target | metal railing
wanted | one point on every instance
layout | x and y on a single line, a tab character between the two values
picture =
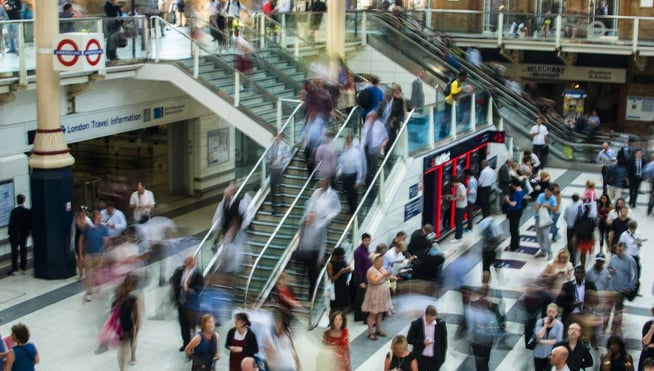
284	260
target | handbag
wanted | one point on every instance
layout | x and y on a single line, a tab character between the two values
330	291
544	218
531	344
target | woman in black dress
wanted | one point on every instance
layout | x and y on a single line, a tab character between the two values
400	357
338	272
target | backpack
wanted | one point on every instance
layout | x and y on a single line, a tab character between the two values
448	88
584	227
364	98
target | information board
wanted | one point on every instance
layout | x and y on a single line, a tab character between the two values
6	201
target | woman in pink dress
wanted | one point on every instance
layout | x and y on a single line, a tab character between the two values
336	340
377	300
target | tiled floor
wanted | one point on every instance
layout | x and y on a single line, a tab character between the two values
65	328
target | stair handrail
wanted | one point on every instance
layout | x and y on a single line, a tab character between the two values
241	188
585	147
284	259
355	216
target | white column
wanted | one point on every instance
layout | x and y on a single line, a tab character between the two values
336	28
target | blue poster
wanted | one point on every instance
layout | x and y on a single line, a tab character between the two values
412	208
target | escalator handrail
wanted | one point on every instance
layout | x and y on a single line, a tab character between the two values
283	261
554	138
348	226
250	175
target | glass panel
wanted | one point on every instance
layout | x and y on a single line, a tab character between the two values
646	32
353	26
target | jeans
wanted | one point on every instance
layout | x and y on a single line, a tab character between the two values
554	228
543	238
458	222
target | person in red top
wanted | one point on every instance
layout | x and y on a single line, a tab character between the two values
336	344
268	7
283	294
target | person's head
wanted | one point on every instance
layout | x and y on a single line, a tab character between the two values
456	180
463	75
189	262
20	199
110	206
574	331
371	116
20	333
348	139
539	120
580	274
140	188
563	256
421	74
619	202
249	364
68	7
549	192
283	279
604	199
615	343
544	175
605	145
365	239
427	229
207	323
515	183
467	173
556	189
241	320
374	80
632	225
97	217
338	254
381	248
399	344
388	94
575	197
600	259
590	184
559	356
552	310
337	320
324	183
623	212
619	250
648	364
638	154
483	164
400	236
430	313
282	320
377	260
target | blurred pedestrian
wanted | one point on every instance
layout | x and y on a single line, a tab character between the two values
186	284
400	357
323	206
130	319
281	354
352	167
80	222
336	345
374	139
95	239
23	355
491	238
570	215
482	325
418	91
277	158
623	271
203	347
240	341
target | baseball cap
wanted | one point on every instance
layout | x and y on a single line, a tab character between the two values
600	257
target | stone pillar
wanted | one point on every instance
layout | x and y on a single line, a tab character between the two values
336	28
51	179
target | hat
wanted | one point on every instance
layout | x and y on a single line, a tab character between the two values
600	257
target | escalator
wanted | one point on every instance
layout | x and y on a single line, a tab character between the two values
414	48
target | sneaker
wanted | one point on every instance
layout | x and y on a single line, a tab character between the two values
467	230
88	297
101	349
455	241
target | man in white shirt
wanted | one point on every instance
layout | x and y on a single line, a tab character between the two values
352	164
487	179
460	199
374	136
633	243
142	201
539	135
113	219
276	159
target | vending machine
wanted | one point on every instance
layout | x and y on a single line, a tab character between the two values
439	170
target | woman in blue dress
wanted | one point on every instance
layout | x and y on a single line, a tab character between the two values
23	356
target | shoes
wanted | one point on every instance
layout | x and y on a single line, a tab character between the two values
381	333
467	230
11	51
539	254
455	241
101	349
88	297
132	362
181	349
372	337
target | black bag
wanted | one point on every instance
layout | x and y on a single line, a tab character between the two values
584	227
448	88
364	98
531	344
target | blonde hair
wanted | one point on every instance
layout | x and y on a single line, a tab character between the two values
399	341
590	184
563	251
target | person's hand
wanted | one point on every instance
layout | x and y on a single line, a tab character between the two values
362	285
428	341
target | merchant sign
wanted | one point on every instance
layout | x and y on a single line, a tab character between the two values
566	73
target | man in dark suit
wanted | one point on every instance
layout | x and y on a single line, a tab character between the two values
428	335
635	168
186	284
20	226
576	297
